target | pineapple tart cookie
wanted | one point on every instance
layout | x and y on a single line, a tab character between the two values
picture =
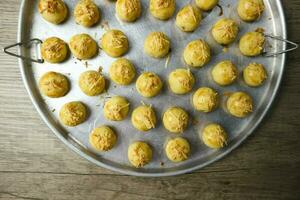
175	119
224	73
177	149
53	11
54	85
139	154
181	81
73	113
92	83
116	108
115	43
197	53
162	9
188	18
54	50
157	45
224	31
86	13
103	138
250	10
83	46
214	136
148	84
122	71
206	5
252	44
128	10
143	118
239	104
205	100
254	74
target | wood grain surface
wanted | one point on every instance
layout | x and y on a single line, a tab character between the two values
34	164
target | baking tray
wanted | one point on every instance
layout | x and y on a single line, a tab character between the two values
31	25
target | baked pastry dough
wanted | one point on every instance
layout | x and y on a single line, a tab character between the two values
239	104
175	119
214	136
54	50
92	83
252	44
178	149
197	53
250	10
83	46
188	18
128	10
224	73
122	71
181	81
54	85
73	113
143	118
162	9
86	13
254	74
225	31
116	108
139	154
53	11
103	138
157	45
205	99
206	5
114	43
148	84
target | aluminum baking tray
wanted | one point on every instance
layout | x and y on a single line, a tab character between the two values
31	25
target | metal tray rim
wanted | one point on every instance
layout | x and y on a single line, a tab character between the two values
142	174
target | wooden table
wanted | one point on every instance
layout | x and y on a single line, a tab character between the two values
34	164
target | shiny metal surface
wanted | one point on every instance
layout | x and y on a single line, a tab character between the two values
31	25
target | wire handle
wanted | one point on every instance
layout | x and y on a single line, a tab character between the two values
293	47
24	43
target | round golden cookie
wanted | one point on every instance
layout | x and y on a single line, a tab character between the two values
188	18
91	83
114	43
148	84
162	9
73	113
239	104
224	73
175	119
143	118
86	13
54	50
252	44
177	149
103	138
139	154
197	53
254	74
205	99
224	31
250	10
157	45
54	85
83	46
116	108
128	10
181	81
122	71
53	11
206	5
214	136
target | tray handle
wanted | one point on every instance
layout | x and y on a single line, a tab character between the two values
24	43
293	46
